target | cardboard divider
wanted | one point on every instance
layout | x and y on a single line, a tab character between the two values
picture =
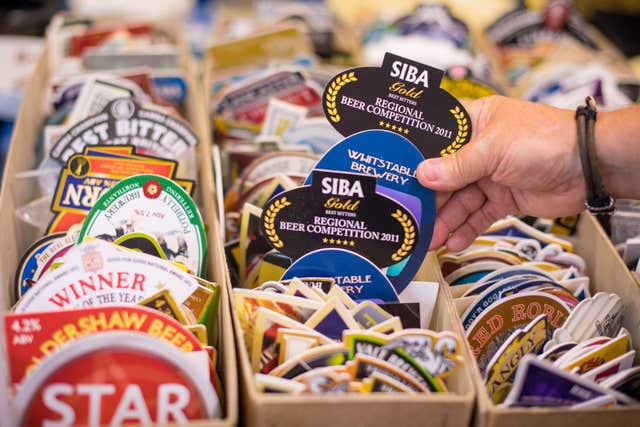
217	265
17	236
453	408
607	273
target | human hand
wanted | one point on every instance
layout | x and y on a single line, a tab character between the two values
523	158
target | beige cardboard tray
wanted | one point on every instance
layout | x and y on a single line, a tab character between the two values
16	236
608	274
444	409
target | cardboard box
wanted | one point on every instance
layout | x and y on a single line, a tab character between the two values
444	409
17	236
608	274
258	409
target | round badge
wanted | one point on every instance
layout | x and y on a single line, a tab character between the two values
156	206
24	278
355	274
315	133
393	160
256	193
272	164
494	326
47	331
97	273
54	252
79	166
116	378
118	123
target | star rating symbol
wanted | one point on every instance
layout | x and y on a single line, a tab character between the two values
332	241
325	240
391	126
352	243
339	242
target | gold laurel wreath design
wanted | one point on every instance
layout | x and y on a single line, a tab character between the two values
409	229
463	131
332	94
270	220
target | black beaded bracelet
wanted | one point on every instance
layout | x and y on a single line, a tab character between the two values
599	201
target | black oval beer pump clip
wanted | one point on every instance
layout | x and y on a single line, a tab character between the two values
401	96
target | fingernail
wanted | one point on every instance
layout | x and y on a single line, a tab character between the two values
429	170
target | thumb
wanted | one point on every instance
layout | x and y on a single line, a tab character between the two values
456	171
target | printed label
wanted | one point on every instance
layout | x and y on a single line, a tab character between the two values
402	96
123	122
340	210
32	336
156	206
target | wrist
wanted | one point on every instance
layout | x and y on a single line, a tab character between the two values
617	160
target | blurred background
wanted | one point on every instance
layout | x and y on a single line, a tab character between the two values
549	51
23	24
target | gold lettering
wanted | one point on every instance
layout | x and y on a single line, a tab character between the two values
411	92
337	203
